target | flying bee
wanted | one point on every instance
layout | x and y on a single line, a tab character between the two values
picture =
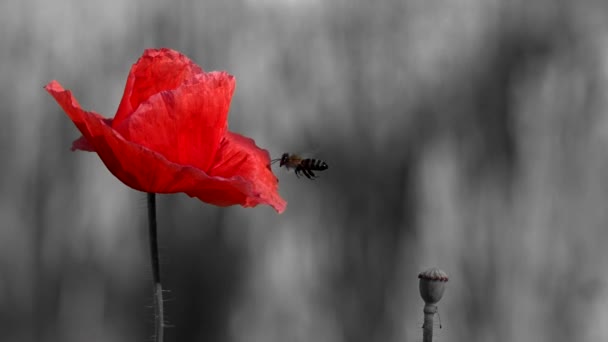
303	165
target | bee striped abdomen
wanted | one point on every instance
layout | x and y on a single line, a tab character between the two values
307	166
314	164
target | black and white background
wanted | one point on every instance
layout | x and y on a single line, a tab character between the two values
471	135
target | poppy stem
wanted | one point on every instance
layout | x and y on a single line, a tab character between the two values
427	328
159	322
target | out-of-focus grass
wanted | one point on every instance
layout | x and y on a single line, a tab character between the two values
467	135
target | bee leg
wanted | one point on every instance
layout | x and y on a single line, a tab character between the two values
312	174
297	172
307	173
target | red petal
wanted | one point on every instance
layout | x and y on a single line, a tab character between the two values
155	71
146	170
184	125
240	158
82	143
68	103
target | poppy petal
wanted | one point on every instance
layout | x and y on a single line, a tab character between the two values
186	124
143	169
71	107
155	71
82	144
240	157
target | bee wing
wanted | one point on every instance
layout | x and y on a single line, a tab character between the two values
306	154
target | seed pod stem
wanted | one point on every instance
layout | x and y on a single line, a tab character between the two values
427	328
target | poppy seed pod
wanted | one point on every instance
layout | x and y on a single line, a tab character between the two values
432	285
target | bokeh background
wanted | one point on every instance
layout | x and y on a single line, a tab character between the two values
471	135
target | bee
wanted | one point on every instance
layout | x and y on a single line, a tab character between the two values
303	165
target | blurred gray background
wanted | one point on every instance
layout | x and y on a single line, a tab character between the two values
471	135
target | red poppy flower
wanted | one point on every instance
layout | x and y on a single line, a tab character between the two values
170	134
